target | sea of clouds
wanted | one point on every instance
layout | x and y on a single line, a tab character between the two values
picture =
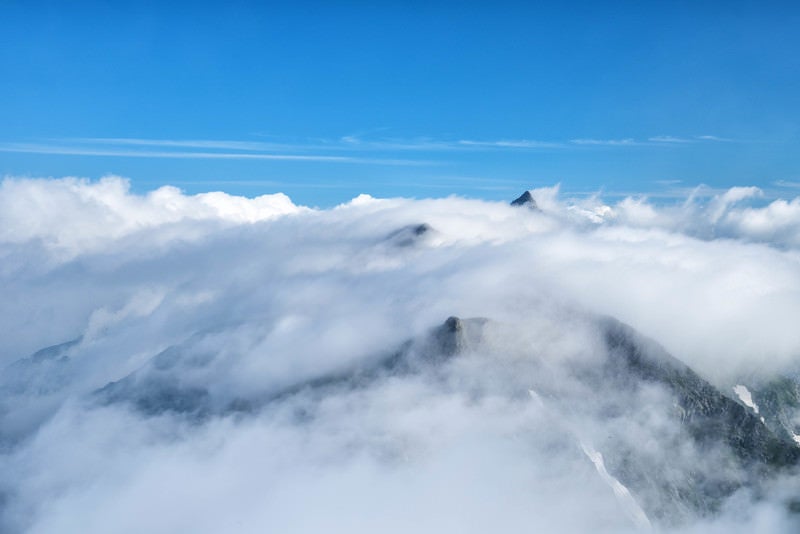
248	298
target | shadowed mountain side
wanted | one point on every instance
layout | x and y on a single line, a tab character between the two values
736	449
39	373
706	412
410	235
633	360
36	383
730	447
157	388
778	402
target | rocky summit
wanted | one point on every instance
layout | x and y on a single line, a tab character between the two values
594	403
525	199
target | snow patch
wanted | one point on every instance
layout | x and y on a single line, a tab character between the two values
623	494
745	396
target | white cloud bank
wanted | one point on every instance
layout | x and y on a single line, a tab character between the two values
74	215
243	298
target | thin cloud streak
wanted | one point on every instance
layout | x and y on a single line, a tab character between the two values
787	184
714	138
670	139
344	143
80	151
684	140
605	142
351	149
519	143
656	140
183	143
425	144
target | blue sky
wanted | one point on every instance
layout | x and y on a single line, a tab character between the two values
325	101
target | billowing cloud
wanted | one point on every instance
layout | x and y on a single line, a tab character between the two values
218	363
73	215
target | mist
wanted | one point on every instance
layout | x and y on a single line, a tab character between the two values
213	363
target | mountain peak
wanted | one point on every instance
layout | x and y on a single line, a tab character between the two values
525	199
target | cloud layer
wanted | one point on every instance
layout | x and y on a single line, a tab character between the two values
239	299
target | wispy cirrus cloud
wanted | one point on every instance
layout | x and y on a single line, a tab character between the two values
788	184
88	150
713	138
349	149
511	143
670	139
650	141
628	141
347	142
429	144
423	144
180	143
683	140
432	144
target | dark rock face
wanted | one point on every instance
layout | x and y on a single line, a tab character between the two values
157	395
410	235
525	199
778	401
165	385
721	430
158	387
706	412
54	352
41	373
420	229
731	447
34	381
456	336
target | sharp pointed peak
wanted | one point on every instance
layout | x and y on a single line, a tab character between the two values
525	199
